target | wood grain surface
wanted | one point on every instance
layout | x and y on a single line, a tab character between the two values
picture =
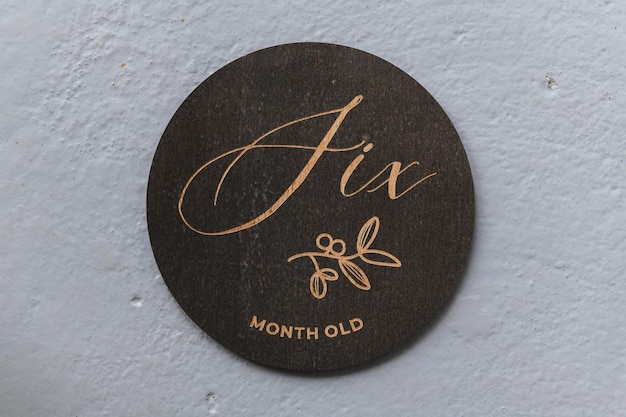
310	206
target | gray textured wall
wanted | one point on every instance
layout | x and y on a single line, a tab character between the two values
537	92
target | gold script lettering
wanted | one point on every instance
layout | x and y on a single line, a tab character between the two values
318	151
395	169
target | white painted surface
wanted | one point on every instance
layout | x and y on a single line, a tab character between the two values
87	326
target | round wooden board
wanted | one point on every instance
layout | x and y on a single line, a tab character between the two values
310	206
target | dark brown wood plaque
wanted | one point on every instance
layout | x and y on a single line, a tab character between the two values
310	207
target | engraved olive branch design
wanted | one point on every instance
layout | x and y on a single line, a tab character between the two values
336	248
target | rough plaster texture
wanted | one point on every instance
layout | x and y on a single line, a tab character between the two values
537	92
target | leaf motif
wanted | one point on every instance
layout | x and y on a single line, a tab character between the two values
329	274
389	259
367	234
355	274
318	285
